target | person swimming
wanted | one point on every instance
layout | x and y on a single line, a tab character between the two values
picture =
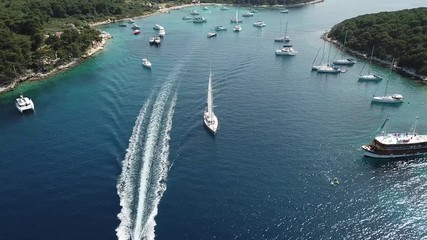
334	181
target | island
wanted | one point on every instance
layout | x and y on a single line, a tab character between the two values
399	35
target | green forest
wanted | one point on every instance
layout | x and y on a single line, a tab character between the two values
401	35
28	27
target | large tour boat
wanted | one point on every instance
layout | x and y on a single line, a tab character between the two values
396	144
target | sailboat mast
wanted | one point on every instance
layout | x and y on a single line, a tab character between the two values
209	100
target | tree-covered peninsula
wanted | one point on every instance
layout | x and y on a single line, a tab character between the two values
401	35
40	35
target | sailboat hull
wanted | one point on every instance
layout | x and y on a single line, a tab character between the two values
211	122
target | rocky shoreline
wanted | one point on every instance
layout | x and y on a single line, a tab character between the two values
404	71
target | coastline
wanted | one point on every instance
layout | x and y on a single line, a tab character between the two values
403	71
98	46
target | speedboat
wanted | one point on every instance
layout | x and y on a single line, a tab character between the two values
284	11
151	40
259	24
157	27
211	34
146	63
237	28
136	32
187	18
157	41
24	103
162	32
286	51
388	145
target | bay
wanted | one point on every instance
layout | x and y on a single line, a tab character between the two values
284	131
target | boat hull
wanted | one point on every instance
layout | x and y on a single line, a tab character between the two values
392	154
370	77
211	124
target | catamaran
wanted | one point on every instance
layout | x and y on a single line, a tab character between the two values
24	103
285	38
209	117
369	76
396	144
236	20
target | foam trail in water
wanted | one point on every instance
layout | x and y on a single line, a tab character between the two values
125	185
163	172
149	151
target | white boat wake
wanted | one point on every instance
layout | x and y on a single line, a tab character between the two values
145	167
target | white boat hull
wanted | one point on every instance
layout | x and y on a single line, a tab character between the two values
24	104
370	77
395	98
211	122
371	154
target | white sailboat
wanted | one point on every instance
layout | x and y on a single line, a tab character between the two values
347	61
237	28
285	38
391	98
209	117
369	76
236	20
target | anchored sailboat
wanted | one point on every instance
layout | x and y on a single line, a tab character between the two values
209	117
347	61
237	28
393	98
369	76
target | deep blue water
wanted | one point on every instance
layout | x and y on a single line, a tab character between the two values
110	137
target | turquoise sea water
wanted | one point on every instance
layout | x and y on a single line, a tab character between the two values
114	150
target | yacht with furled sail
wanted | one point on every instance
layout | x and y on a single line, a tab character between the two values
389	145
285	38
24	103
209	117
388	98
369	76
199	19
236	20
345	61
237	28
248	14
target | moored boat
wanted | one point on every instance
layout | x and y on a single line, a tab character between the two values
396	144
194	12
247	14
286	51
369	76
136	32
347	61
237	28
24	103
135	27
199	19
146	63
259	24
157	27
162	32
212	34
187	18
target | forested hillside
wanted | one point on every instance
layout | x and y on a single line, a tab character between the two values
38	35
401	35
